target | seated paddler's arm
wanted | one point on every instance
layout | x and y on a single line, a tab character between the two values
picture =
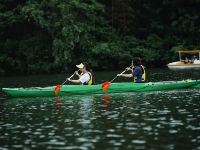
74	81
125	75
76	73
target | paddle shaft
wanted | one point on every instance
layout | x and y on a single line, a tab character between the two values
117	76
120	74
67	79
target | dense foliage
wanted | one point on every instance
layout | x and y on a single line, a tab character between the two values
43	36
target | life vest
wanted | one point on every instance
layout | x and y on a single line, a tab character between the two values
90	82
139	77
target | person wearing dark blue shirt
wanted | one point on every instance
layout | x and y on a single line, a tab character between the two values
138	72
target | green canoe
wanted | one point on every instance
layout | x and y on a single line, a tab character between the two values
96	89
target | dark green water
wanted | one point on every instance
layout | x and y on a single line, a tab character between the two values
156	120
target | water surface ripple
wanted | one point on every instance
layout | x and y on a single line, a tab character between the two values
157	120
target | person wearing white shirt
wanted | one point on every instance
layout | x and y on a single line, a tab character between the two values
85	78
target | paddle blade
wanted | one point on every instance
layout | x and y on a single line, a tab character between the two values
105	86
57	89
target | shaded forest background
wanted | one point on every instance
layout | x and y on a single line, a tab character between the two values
51	36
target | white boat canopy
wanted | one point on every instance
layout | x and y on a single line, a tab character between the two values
188	52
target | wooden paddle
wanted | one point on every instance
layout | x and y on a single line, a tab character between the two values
58	87
106	84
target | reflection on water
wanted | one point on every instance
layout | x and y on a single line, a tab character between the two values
157	120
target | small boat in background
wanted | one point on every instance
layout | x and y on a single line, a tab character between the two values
188	63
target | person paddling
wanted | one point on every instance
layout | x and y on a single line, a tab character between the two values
86	77
138	72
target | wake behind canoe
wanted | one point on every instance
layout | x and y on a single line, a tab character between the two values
97	89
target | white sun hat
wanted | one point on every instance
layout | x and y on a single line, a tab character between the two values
80	66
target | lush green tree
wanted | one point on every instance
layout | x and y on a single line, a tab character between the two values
43	36
75	27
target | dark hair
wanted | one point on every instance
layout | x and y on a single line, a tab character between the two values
87	67
136	61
